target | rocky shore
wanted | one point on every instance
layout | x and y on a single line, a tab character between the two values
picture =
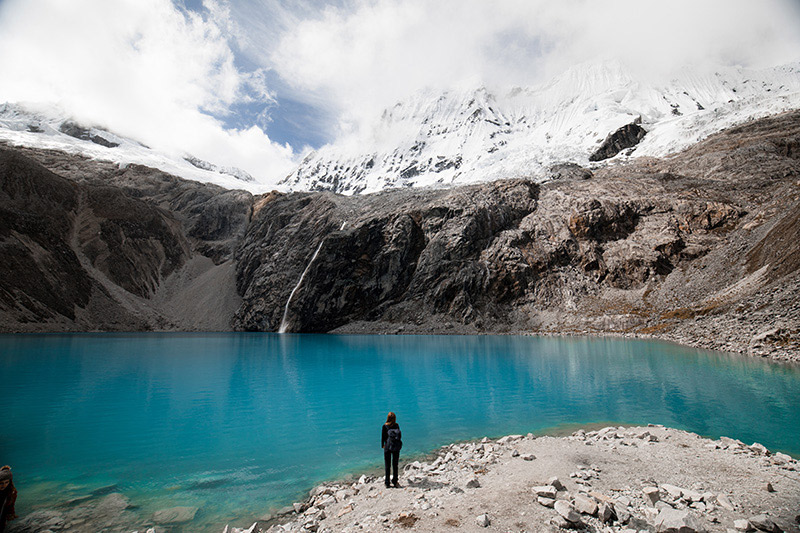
616	479
609	480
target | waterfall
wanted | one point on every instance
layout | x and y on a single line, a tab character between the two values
284	324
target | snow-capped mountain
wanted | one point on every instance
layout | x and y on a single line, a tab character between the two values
476	135
50	128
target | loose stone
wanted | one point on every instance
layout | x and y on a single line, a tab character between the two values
585	505
764	523
483	520
651	493
547	502
606	513
546	491
568	511
676	521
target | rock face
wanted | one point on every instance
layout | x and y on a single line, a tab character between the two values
393	254
627	136
95	250
700	248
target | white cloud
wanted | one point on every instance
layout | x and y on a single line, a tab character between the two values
367	57
143	69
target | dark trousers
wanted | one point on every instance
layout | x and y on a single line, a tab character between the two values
391	458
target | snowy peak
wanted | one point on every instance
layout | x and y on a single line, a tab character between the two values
50	128
441	139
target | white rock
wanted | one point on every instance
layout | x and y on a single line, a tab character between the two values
674	492
568	511
652	495
585	505
723	500
483	520
759	449
675	521
515	453
547	502
546	491
742	525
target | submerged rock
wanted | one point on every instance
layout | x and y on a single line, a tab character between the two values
175	515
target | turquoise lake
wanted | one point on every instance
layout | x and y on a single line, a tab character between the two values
242	424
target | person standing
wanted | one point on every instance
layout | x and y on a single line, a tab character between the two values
391	443
8	497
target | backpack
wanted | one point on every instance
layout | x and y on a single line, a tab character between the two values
393	442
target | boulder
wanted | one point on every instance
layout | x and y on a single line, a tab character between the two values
606	513
742	525
175	515
674	492
473	483
567	511
763	522
585	504
528	457
759	449
483	520
675	521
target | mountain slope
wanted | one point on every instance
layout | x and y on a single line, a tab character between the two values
700	247
476	135
53	130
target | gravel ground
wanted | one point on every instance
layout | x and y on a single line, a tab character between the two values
614	479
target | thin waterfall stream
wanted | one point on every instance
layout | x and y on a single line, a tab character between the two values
284	323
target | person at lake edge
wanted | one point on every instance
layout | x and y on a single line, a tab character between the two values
8	497
391	443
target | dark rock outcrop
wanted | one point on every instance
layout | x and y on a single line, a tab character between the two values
399	249
627	136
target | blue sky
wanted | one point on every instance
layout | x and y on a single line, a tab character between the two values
257	83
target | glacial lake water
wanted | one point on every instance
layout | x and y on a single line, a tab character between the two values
242	424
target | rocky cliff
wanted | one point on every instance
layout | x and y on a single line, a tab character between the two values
700	247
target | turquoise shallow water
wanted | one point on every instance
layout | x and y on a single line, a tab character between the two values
241	424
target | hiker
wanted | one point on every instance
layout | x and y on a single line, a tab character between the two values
8	496
391	444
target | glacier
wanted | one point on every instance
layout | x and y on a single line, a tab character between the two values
474	135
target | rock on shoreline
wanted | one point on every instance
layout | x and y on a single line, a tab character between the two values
617	479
